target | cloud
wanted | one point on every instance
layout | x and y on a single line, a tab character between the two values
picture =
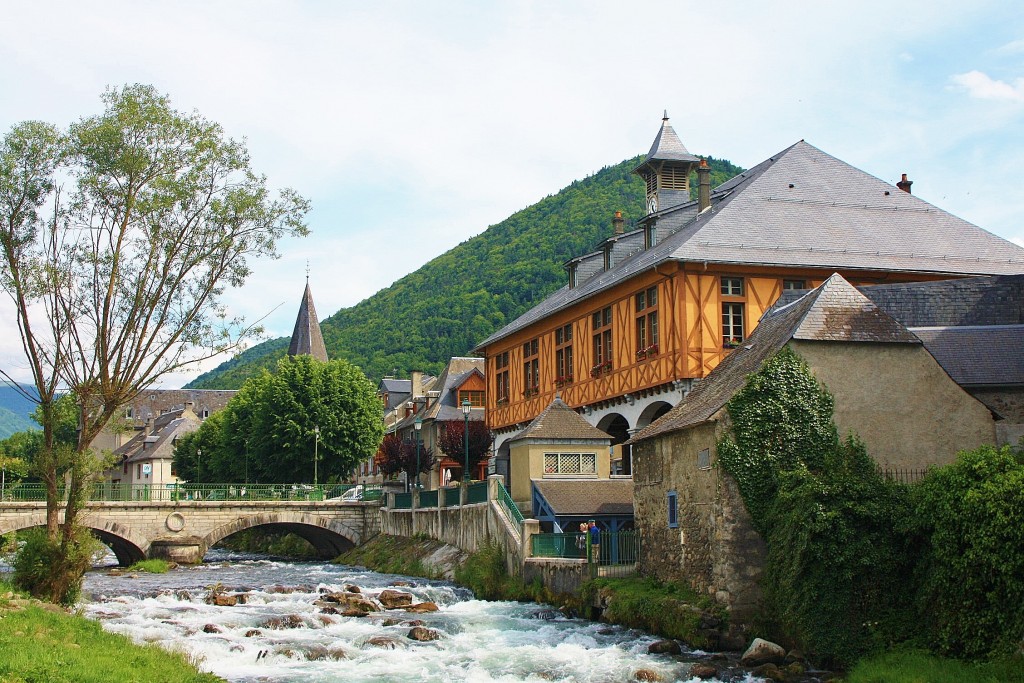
981	86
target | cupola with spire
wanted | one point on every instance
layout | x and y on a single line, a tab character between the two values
307	340
666	170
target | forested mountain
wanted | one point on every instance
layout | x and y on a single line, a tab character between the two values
459	298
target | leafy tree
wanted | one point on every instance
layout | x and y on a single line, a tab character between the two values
450	440
397	455
118	280
268	429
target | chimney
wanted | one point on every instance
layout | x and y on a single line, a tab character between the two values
704	186
416	387
148	429
189	410
905	184
618	223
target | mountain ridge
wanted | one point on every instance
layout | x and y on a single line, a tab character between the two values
458	298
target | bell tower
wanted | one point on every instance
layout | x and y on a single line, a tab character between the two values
666	170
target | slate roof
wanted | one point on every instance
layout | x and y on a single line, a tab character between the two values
395	386
446	406
667	146
997	300
560	422
978	355
307	339
587	496
835	311
160	442
804	208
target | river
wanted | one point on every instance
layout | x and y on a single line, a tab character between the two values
279	634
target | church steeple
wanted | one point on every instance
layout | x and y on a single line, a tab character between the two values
307	340
666	170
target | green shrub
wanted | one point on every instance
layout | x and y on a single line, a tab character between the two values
915	666
151	566
51	572
970	516
837	576
668	609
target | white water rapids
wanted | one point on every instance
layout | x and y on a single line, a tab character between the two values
479	641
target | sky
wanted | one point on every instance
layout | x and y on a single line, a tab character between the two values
412	126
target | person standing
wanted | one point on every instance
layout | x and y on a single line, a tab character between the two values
595	541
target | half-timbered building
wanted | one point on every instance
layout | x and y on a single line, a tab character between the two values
657	307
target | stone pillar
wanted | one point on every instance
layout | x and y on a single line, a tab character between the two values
415	508
530	527
180	550
492	486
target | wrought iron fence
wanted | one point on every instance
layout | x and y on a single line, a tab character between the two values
428	499
450	496
403	501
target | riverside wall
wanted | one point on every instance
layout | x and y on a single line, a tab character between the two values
471	527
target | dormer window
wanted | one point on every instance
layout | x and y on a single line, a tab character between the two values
475	398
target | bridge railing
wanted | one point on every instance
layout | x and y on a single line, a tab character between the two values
117	492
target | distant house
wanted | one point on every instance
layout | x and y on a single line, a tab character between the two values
461	380
657	305
887	389
154	403
147	458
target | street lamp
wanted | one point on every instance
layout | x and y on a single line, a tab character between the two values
199	465
316	448
466	407
418	425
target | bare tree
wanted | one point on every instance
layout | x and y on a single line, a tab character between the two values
118	281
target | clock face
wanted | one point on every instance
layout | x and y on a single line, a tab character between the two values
652	204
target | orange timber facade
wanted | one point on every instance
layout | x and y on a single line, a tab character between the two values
653	309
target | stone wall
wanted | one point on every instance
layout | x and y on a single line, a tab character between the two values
714	549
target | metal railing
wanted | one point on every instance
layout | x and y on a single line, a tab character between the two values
507	504
116	492
903	475
403	501
615	556
428	499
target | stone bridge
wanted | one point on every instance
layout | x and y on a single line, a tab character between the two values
182	531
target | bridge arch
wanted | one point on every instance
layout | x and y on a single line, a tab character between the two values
127	545
329	537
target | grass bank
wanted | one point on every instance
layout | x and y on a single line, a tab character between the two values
913	666
41	643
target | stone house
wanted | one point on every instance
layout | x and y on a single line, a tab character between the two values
887	389
974	327
146	460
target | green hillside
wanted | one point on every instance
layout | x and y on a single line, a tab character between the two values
459	298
